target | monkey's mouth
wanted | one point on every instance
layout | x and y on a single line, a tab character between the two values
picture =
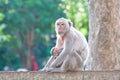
60	32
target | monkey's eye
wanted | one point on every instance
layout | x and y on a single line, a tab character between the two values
63	24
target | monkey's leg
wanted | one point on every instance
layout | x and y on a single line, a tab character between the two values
69	64
79	60
73	62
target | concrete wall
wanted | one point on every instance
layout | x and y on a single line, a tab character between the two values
87	75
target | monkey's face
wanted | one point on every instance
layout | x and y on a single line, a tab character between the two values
61	26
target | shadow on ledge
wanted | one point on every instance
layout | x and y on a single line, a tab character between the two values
84	75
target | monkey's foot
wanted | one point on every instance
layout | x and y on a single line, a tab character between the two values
55	70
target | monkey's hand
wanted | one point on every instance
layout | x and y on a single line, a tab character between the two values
42	70
55	52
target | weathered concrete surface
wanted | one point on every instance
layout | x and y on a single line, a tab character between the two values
87	75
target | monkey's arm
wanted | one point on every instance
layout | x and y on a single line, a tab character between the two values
68	47
48	63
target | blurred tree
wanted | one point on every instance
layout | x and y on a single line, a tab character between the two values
26	29
104	35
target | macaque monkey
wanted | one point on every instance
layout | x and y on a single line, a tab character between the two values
71	51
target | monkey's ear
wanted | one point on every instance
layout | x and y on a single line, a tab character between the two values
70	23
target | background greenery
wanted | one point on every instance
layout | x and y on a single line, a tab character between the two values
27	28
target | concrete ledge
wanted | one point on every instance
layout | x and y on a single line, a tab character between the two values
86	75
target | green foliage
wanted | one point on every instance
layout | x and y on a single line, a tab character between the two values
2	16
